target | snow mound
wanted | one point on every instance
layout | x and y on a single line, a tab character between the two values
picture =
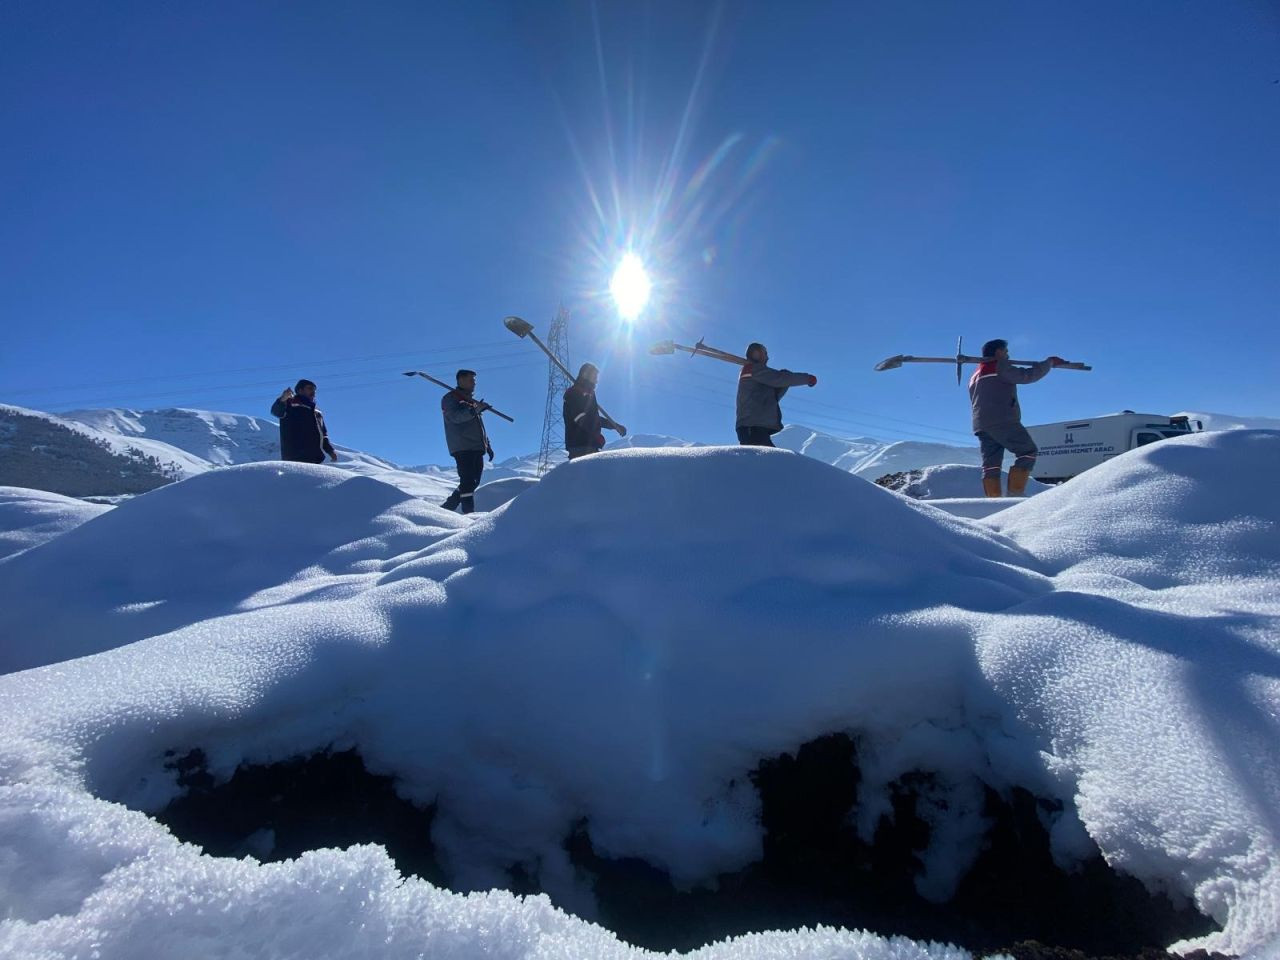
32	517
490	496
1156	663
1183	511
198	549
620	645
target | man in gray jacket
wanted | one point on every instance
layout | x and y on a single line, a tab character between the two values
760	387
465	434
997	417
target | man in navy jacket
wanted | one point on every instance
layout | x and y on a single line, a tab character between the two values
303	435
583	420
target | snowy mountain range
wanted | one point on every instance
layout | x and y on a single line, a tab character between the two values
115	452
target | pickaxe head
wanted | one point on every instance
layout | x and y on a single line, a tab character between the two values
411	373
521	328
663	347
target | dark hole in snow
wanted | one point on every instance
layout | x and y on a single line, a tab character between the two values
280	810
814	870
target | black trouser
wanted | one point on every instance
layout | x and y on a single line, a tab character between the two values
755	436
470	468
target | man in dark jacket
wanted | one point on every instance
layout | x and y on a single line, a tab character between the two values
997	417
303	435
760	387
468	442
583	421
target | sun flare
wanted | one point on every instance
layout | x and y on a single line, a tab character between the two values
630	287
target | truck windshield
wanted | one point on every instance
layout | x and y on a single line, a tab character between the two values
1145	438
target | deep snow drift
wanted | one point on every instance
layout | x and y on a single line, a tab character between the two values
29	518
622	643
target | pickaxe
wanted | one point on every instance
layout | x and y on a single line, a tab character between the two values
961	358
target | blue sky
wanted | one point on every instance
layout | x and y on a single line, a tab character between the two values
204	202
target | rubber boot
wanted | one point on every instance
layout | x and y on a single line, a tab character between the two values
991	486
1018	477
468	504
452	503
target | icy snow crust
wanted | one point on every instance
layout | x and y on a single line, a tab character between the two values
623	642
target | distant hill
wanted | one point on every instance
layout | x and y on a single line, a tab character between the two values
218	439
109	453
42	452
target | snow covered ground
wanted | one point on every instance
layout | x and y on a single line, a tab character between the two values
622	643
948	481
29	518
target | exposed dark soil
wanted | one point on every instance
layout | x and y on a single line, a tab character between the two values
324	800
815	869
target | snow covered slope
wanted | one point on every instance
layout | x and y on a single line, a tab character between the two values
1230	421
216	438
837	451
213	439
29	518
871	458
951	481
914	455
1112	644
44	452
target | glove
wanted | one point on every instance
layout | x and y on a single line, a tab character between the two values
489	450
481	406
813	381
622	431
1056	361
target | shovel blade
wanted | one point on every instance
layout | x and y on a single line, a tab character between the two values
890	363
521	328
663	347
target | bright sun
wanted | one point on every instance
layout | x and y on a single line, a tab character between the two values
630	287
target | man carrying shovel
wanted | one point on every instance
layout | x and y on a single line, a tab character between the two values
997	417
468	443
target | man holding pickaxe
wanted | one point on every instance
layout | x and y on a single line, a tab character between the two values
760	387
468	443
997	417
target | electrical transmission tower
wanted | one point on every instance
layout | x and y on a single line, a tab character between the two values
557	384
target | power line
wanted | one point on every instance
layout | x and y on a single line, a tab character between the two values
176	391
381	382
488	344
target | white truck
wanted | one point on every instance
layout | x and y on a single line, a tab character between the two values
1073	446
